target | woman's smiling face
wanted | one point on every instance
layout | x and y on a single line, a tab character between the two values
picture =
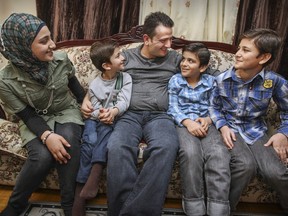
43	46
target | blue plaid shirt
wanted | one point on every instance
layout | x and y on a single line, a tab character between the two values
188	102
242	105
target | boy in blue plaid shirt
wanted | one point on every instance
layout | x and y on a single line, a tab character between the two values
239	105
204	159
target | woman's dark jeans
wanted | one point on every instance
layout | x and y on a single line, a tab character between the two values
37	166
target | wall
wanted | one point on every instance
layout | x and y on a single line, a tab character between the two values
10	6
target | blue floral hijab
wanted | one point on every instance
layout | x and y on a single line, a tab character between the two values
17	35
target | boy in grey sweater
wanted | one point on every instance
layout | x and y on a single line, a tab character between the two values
110	95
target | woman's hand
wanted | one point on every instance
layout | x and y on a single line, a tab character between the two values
56	145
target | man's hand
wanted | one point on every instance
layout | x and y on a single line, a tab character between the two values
280	143
228	136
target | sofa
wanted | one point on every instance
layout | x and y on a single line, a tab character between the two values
12	156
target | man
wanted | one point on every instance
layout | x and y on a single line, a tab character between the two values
131	193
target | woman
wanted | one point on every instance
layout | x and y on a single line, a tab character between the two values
36	85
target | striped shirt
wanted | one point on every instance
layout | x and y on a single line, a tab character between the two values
188	102
242	106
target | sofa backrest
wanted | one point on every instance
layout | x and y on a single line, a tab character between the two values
222	58
222	55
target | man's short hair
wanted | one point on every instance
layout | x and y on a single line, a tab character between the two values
155	19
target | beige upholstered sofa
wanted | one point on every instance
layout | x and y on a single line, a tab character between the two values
12	156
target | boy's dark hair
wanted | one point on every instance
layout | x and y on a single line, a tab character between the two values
200	50
155	19
266	41
101	52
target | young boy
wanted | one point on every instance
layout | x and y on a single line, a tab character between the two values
202	155
110	95
239	105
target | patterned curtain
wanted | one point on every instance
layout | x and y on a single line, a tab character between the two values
208	20
87	19
266	14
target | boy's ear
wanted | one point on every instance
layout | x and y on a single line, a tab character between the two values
203	68
264	58
106	66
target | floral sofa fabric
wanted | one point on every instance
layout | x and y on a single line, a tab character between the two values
12	156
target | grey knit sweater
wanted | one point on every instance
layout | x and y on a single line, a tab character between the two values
100	89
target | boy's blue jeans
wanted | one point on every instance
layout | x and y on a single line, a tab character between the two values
94	147
205	171
131	192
